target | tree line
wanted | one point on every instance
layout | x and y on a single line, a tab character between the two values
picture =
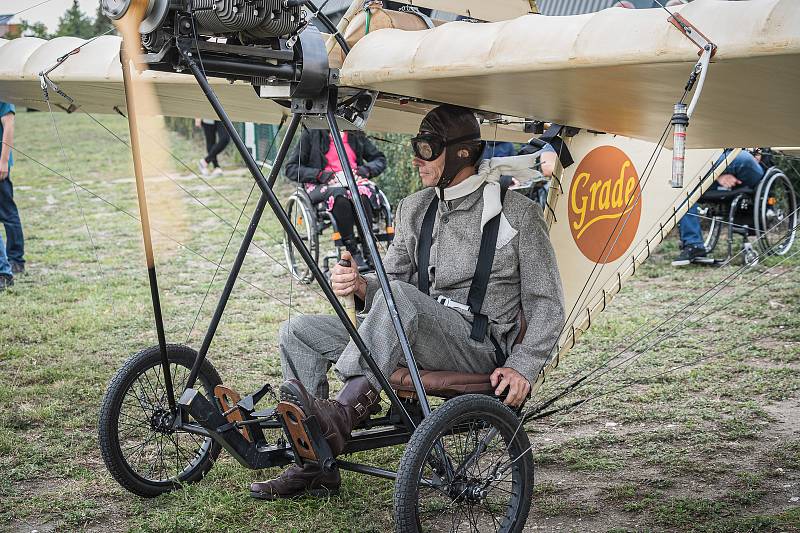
73	22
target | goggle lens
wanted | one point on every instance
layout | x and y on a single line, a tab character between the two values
427	147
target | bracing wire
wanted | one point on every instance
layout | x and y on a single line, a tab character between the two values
225	198
43	2
156	229
710	293
534	414
230	238
65	56
583	294
74	187
575	405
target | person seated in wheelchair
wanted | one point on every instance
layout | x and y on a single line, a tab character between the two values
743	171
315	164
459	201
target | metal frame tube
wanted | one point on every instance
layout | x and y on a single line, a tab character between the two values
144	216
291	232
383	279
242	253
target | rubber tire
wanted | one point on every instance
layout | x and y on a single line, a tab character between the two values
109	418
293	257
711	234
422	440
761	224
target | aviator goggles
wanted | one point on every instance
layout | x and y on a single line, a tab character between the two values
429	146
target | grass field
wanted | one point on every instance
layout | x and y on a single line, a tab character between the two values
704	435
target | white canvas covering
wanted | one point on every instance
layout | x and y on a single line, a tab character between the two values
618	70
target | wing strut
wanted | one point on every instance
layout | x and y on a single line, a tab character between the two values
682	112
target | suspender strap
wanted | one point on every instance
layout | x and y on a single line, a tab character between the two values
424	246
480	280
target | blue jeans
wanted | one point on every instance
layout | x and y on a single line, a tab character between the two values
5	266
746	169
9	216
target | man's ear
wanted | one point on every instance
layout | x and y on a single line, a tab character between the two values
463	153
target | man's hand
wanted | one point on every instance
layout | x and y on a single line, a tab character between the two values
3	169
729	181
346	280
508	378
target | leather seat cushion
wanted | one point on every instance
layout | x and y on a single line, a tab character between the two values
442	382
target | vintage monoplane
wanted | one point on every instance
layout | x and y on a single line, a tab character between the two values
618	93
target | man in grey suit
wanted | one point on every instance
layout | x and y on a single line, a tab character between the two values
460	198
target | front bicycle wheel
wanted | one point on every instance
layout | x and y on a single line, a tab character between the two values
140	448
467	467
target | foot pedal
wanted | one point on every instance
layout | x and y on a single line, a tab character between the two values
228	398
305	435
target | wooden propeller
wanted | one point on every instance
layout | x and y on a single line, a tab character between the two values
149	143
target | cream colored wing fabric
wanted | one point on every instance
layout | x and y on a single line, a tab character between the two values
612	213
490	10
618	70
93	77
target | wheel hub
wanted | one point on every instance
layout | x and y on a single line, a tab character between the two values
161	422
473	491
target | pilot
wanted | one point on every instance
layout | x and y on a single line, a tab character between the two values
743	171
314	163
459	200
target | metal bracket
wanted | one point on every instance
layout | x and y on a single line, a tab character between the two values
694	35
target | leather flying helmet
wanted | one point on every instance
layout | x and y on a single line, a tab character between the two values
453	130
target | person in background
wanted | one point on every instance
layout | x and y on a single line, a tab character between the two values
217	139
12	254
498	149
743	171
315	164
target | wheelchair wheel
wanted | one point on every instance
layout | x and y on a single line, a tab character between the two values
775	213
467	467
140	449
303	217
710	226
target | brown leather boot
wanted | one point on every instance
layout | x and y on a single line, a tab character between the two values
338	417
308	480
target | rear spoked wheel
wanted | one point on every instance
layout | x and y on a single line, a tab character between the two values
467	467
138	444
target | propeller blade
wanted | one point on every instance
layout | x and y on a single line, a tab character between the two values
160	201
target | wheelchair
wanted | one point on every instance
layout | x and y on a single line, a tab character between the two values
312	220
768	213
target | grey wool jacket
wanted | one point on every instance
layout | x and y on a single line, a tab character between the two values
524	274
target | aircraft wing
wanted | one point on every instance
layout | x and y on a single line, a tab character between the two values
617	70
93	79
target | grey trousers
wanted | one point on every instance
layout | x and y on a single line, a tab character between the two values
439	337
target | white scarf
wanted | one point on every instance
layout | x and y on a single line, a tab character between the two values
521	167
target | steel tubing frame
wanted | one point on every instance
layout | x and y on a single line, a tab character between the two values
268	197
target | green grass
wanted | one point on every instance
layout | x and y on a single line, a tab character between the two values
712	445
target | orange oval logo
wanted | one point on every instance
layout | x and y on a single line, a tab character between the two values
604	204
